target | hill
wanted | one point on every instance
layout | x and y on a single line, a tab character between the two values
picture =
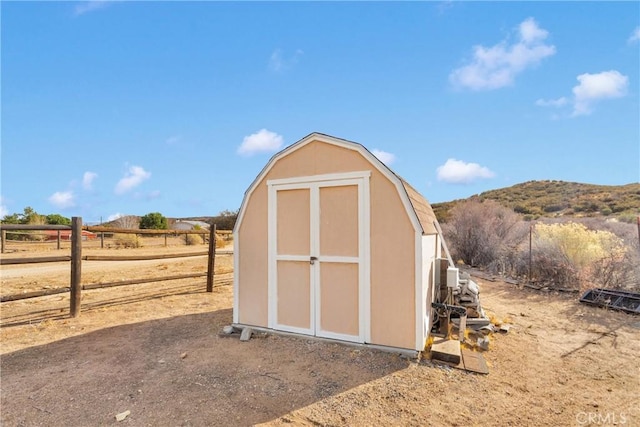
535	199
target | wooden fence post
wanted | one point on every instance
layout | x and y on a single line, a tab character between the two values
212	258
3	240
76	265
530	250
639	229
58	239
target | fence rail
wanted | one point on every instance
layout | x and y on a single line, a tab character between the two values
27	229
76	259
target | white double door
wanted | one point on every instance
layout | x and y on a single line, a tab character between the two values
318	252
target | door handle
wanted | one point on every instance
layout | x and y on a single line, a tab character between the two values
312	260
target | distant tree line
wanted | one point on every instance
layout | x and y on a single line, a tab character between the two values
30	216
225	220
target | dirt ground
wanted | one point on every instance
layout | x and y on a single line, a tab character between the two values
155	351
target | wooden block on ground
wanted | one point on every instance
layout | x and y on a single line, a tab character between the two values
446	350
474	361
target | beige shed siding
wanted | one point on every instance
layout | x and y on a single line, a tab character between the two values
252	268
392	267
294	294
294	216
339	296
339	221
392	245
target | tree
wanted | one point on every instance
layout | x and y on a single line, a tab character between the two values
30	216
225	220
154	221
11	219
57	219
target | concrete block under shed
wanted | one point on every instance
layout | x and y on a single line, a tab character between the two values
246	334
446	350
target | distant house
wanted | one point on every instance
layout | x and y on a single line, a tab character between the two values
66	235
189	225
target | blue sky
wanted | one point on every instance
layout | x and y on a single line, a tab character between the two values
114	108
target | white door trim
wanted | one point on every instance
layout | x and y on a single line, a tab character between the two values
314	183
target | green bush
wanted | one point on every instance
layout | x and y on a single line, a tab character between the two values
154	221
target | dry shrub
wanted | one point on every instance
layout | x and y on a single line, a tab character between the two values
581	246
221	240
617	272
127	241
550	266
194	239
570	255
479	233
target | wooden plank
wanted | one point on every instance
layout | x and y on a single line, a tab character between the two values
473	361
33	294
138	281
34	260
446	350
141	257
101	229
6	298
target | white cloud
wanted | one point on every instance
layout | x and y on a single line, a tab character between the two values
552	102
90	6
595	87
87	180
62	199
497	66
459	172
635	36
3	208
262	141
278	62
384	157
132	178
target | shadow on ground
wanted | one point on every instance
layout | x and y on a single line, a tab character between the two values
179	372
57	306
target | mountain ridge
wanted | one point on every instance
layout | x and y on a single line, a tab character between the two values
552	198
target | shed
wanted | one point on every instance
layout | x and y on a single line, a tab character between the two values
330	242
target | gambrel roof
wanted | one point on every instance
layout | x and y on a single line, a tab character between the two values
417	205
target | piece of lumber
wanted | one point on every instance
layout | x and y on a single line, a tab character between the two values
446	350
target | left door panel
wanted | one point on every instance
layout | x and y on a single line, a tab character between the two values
294	298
